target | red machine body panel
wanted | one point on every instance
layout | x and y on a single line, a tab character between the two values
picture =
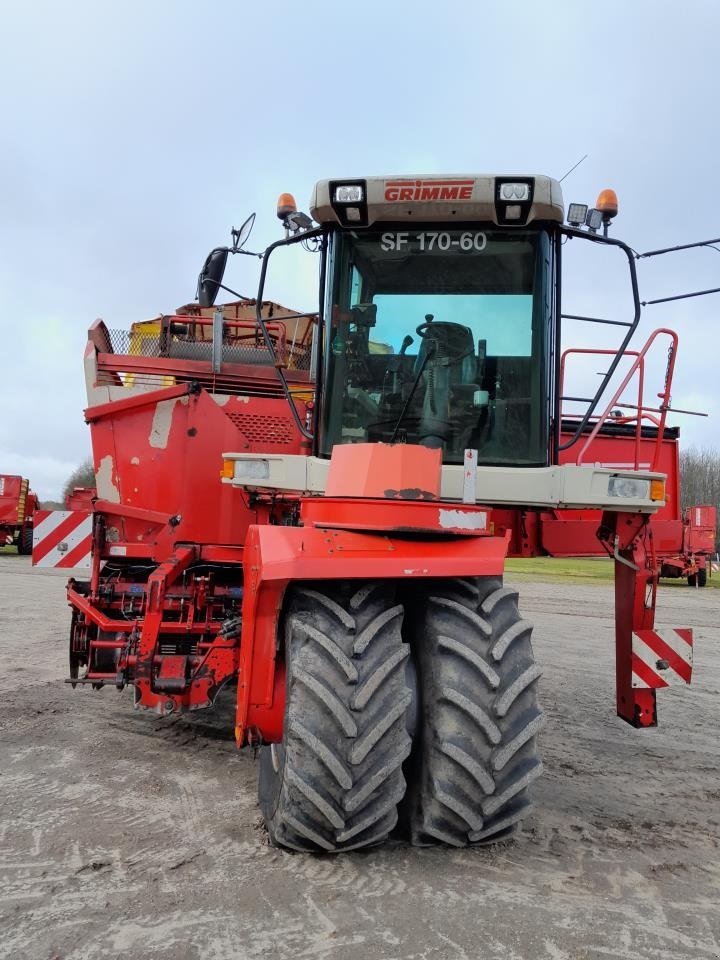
17	507
13	500
163	454
80	498
701	525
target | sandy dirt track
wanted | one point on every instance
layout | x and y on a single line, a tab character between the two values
124	835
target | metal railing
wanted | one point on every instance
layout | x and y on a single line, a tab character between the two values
656	416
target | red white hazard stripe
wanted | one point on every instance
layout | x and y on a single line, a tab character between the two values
661	658
62	538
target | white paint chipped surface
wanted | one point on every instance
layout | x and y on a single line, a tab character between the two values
106	488
161	423
462	519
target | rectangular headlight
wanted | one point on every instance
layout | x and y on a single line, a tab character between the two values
593	219
576	214
515	191
252	469
630	488
349	193
513	200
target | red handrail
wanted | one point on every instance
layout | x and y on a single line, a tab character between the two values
638	366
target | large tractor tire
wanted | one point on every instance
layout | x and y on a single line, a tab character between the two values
702	577
475	754
336	779
25	541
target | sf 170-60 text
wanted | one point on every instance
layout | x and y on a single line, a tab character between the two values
467	241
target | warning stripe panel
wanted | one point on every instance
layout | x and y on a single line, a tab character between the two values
645	678
52	531
682	665
661	658
62	538
79	556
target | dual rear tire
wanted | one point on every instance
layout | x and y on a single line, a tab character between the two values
423	711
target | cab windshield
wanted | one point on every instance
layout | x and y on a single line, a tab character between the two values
439	337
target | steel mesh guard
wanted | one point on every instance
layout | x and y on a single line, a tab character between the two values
249	350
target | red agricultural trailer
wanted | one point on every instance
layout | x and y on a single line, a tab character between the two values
17	506
693	560
316	508
80	498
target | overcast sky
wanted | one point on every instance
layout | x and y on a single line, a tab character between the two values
134	134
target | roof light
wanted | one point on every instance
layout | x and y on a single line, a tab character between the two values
286	205
576	214
349	202
594	220
349	193
515	191
513	200
607	204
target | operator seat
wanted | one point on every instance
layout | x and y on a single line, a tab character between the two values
454	340
449	371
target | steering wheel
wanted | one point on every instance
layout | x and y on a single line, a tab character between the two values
454	341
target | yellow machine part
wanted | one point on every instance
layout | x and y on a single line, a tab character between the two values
24	485
140	334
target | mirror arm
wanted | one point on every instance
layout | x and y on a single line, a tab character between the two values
632	327
287	241
221	286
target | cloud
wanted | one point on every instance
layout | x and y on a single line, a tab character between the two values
124	160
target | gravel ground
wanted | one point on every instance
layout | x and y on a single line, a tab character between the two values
122	834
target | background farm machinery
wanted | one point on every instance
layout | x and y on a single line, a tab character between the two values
17	506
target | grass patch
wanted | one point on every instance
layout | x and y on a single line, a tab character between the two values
579	570
598	569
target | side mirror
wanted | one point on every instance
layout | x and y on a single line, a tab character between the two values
240	236
211	276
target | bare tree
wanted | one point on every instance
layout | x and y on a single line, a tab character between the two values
82	476
700	477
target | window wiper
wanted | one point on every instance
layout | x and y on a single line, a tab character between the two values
416	381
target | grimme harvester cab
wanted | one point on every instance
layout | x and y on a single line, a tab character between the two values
317	508
17	505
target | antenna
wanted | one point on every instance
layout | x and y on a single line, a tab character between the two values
572	168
